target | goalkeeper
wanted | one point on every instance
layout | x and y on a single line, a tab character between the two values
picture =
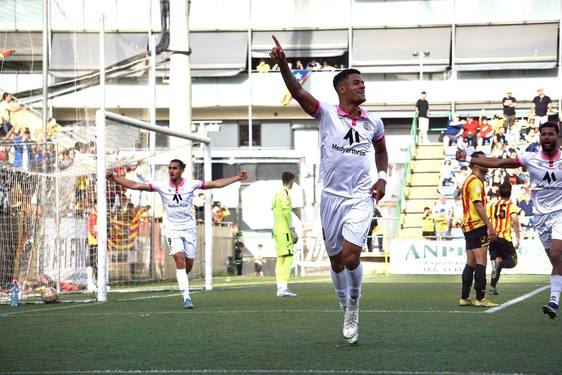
181	235
284	235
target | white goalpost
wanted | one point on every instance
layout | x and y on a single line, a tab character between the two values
101	168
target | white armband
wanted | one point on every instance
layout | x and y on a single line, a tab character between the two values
382	175
468	159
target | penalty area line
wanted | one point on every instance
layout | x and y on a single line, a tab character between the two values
516	300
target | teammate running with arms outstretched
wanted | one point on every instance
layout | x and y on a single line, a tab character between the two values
348	135
545	171
181	235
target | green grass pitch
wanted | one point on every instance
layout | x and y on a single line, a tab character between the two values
408	325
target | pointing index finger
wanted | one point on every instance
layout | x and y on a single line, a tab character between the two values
276	41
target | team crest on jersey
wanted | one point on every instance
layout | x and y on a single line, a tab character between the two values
367	126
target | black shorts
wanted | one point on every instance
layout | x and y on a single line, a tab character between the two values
257	267
430	235
476	238
501	248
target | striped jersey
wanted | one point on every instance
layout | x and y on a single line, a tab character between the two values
499	214
546	180
346	149
472	191
177	202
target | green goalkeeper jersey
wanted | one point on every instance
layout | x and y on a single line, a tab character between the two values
282	209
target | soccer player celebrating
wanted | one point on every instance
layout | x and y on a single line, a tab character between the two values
503	215
181	236
545	170
478	231
348	135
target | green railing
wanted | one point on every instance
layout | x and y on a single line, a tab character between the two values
407	171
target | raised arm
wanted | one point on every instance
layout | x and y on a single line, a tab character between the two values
487	162
303	97
222	182
127	183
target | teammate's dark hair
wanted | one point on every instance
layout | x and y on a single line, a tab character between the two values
179	162
287	177
505	190
342	76
550	124
477	154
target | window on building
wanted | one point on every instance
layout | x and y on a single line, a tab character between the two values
244	134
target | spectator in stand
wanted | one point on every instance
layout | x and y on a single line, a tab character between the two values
533	139
23	150
7	107
526	205
541	107
299	65
494	192
422	112
486	131
327	67
471	131
442	224
428	224
454	131
447	173
263	67
313	65
509	104
515	176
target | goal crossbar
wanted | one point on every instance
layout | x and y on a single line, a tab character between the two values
101	117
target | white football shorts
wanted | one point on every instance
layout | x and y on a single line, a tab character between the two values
345	218
549	227
184	240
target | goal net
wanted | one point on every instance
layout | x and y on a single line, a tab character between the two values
49	214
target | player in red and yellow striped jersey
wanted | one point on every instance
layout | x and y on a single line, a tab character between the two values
478	231
503	215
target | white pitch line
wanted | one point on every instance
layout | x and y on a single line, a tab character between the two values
250	371
516	300
49	309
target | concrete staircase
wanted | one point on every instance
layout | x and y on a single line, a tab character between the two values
421	189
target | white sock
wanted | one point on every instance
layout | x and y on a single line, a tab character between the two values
354	281
340	284
281	285
183	282
555	288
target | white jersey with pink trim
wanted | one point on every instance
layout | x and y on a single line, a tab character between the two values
177	202
346	149
546	181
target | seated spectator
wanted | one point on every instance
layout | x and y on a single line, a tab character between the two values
263	67
515	176
471	131
298	65
447	173
220	212
494	192
486	131
313	65
532	140
454	131
526	205
327	67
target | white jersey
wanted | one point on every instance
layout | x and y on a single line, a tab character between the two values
346	149
177	202
546	181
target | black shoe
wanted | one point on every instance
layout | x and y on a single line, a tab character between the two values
551	310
